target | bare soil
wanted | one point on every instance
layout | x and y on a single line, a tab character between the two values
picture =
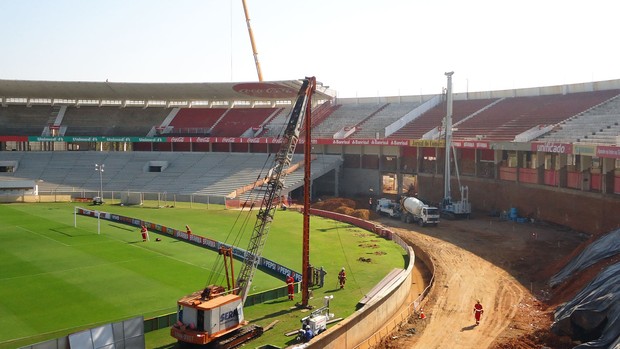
503	264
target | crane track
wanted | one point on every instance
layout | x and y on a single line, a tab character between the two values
239	337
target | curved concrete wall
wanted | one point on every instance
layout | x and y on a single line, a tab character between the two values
382	314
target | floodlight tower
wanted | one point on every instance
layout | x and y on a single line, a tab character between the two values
100	169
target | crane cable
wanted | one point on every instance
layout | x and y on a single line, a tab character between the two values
345	256
218	266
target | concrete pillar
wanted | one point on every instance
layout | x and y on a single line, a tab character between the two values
337	182
497	161
437	152
585	165
562	170
608	167
520	156
476	162
417	160
540	167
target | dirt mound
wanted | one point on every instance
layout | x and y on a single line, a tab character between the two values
333	203
539	339
343	206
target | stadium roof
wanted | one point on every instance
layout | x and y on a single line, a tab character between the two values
249	91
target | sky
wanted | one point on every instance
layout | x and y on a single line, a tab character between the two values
359	48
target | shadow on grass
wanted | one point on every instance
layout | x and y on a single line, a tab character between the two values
272	315
293	341
334	290
278	301
61	232
122	227
168	346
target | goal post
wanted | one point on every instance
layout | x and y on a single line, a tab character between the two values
96	212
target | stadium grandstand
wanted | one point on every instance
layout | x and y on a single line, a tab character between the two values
562	140
552	153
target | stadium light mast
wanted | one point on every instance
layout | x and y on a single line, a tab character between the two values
247	20
100	169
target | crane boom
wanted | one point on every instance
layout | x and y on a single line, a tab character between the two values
215	315
275	183
254	52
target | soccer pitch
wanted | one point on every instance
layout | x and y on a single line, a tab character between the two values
56	278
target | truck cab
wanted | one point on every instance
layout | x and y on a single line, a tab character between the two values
388	207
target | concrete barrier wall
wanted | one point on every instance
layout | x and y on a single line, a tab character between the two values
594	213
368	325
34	198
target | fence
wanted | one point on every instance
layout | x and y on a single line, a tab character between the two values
167	320
148	199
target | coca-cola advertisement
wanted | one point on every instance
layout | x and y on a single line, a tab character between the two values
265	90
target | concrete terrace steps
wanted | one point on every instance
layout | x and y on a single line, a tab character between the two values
216	174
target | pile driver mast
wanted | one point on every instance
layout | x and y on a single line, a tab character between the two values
275	183
449	207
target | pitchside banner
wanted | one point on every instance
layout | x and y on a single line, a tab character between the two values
546	147
239	253
238	140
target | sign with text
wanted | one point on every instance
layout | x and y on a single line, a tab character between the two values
552	147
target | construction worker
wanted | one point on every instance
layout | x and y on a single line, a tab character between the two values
342	278
478	311
189	232
145	233
308	334
290	282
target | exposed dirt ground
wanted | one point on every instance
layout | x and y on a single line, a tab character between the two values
502	263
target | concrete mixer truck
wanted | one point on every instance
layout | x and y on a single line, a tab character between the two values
414	210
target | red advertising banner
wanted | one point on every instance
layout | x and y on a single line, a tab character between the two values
603	151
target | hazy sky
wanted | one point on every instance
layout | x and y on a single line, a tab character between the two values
357	47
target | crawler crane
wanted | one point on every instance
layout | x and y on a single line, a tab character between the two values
215	315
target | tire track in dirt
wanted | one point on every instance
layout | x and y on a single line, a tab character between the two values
461	277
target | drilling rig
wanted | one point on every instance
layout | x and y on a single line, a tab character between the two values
450	207
214	315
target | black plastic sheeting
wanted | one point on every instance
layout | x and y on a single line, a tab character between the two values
604	247
592	316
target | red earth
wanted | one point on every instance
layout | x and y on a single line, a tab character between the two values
504	264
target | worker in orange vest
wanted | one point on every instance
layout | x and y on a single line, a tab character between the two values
342	277
145	233
290	282
478	311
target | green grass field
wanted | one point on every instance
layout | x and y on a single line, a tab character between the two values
56	279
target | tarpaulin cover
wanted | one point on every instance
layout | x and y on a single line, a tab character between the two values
604	247
593	316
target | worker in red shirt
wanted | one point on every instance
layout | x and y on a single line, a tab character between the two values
145	233
478	311
342	277
290	282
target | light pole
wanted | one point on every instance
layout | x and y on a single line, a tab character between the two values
100	169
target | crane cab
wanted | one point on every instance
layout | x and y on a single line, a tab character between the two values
201	320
